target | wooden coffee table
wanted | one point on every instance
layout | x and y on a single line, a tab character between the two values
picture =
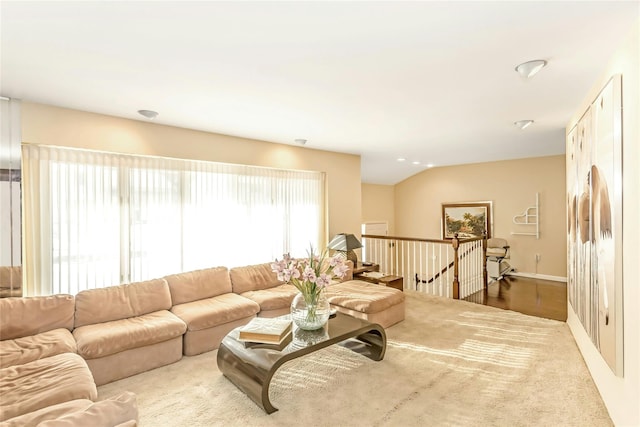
251	369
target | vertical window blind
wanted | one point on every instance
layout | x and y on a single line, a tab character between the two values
96	219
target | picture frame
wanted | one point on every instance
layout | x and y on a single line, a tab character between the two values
468	219
594	233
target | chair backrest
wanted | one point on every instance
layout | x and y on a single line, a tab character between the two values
496	242
497	247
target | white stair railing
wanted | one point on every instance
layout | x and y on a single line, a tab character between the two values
472	267
450	268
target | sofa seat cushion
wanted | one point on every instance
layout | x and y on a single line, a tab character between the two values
273	298
104	339
27	349
211	312
363	296
44	382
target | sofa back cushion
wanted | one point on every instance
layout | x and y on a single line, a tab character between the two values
121	302
199	284
253	278
21	317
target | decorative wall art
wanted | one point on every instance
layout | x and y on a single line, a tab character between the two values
594	228
469	219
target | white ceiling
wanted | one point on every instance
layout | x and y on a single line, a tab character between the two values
433	82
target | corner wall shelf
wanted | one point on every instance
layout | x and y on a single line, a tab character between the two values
529	217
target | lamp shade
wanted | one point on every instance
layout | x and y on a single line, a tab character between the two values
344	242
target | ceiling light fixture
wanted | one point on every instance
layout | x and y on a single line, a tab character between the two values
523	124
300	141
429	165
416	162
530	68
149	114
401	159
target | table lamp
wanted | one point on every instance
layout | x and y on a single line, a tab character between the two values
345	244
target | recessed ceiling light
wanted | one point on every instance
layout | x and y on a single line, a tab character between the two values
401	159
523	124
429	165
149	114
416	162
300	141
530	68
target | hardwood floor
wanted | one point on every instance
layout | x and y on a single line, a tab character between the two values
542	298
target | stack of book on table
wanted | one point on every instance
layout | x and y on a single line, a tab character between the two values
266	332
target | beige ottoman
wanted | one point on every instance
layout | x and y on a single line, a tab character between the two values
364	300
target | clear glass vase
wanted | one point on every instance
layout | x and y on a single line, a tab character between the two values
310	312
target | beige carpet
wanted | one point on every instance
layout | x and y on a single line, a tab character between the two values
450	363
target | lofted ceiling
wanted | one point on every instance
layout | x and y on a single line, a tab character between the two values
431	82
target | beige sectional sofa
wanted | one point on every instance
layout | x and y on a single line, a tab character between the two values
42	378
55	350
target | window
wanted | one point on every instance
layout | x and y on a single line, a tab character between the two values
98	219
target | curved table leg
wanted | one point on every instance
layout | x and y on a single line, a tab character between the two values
252	379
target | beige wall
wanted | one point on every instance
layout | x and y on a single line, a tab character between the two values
43	124
378	205
511	186
621	395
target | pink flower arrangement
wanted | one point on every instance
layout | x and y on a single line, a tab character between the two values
312	274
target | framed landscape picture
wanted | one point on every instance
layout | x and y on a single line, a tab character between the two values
469	219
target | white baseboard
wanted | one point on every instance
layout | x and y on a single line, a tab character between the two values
538	276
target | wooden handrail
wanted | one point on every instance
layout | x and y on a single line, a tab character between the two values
415	239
